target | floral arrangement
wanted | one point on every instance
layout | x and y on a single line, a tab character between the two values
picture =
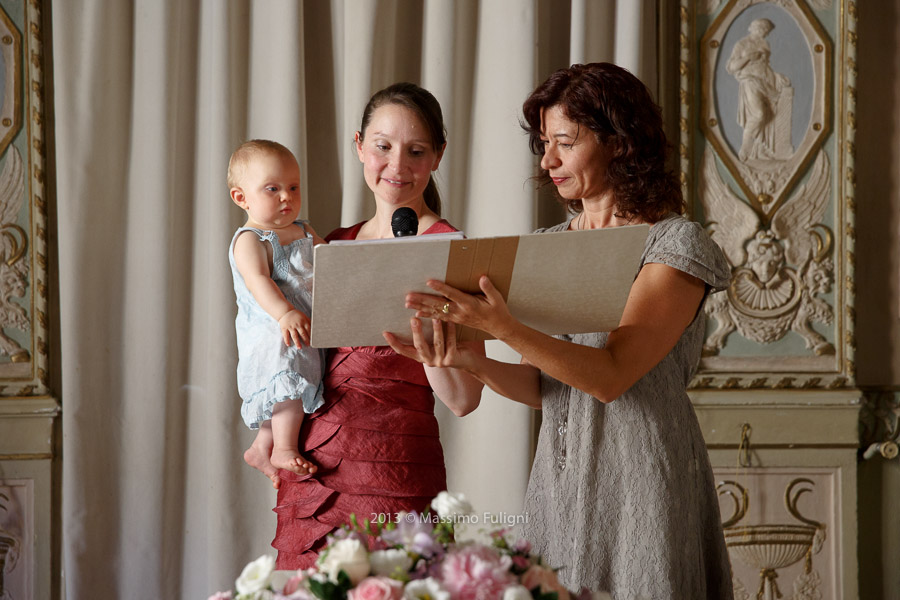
411	557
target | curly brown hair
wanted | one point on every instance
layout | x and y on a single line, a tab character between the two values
618	108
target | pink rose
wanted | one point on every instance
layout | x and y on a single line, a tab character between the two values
538	576
476	573
292	584
377	588
220	596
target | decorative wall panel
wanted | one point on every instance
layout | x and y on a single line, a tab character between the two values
767	134
782	531
785	464
29	556
23	205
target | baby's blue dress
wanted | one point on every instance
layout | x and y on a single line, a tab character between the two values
268	370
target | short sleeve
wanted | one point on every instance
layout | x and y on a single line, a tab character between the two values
684	245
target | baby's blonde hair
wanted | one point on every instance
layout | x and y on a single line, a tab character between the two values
246	152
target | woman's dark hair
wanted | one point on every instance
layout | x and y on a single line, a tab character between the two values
618	108
426	106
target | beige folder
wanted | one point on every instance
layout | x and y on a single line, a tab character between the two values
562	282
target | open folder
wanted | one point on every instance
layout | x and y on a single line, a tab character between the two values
562	282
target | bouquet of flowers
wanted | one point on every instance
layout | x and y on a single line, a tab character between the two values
412	557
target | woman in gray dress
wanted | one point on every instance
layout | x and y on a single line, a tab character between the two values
621	493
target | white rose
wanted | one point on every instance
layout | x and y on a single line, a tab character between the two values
449	505
348	555
255	576
426	589
516	592
390	562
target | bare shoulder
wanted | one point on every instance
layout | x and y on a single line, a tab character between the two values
252	255
248	242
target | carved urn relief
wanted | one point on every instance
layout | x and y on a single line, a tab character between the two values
770	547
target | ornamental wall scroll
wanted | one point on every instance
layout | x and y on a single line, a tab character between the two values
23	206
767	137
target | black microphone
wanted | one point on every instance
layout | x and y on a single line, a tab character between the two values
404	222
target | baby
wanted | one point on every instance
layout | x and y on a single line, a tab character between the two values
279	374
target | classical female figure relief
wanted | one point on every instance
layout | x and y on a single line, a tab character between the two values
765	98
779	269
13	266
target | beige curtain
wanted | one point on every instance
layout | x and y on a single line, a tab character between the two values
151	97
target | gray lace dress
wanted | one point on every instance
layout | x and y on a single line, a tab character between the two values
622	495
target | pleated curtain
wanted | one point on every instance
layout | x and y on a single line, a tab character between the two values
150	99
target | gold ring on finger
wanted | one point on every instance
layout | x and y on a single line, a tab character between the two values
446	308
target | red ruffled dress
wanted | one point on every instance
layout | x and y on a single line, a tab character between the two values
375	442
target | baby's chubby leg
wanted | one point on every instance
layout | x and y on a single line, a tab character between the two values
287	417
257	455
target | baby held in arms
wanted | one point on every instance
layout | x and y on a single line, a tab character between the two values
279	375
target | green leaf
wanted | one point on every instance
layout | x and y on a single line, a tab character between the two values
328	590
321	589
344	580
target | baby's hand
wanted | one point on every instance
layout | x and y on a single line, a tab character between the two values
294	328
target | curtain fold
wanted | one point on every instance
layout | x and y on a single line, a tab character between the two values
151	98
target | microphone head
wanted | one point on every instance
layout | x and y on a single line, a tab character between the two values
404	222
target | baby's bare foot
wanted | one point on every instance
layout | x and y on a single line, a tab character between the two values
290	459
259	460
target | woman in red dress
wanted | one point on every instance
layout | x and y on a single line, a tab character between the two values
376	441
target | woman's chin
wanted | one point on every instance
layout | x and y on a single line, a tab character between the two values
398	197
